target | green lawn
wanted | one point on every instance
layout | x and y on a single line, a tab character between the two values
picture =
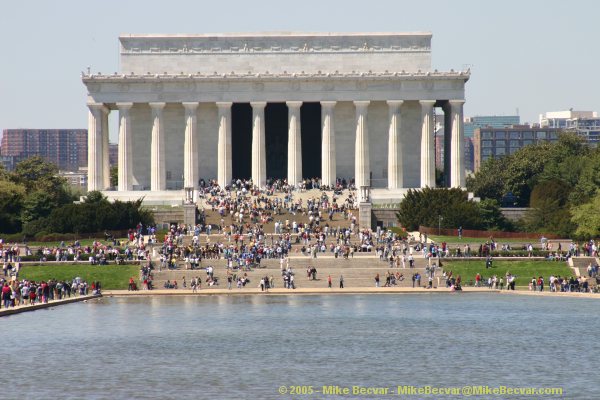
110	276
465	240
524	270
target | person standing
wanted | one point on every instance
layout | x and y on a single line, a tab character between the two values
377	280
329	281
341	281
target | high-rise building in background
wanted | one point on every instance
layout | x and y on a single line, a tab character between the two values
498	142
584	123
67	148
492	121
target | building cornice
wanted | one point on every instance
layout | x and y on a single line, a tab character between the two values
266	76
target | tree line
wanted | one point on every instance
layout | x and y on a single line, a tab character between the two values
34	201
558	181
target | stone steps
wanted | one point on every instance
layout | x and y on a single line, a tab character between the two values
357	273
327	261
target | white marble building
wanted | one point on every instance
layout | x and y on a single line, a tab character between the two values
175	94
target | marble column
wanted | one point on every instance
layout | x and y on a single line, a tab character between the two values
95	146
328	166
125	148
105	149
158	173
259	153
224	168
294	167
362	166
190	150
427	144
395	178
457	155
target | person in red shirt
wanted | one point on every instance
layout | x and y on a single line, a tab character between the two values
6	292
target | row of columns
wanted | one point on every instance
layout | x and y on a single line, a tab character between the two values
98	167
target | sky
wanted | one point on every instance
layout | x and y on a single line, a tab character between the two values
527	55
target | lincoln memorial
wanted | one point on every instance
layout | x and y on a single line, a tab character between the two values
279	105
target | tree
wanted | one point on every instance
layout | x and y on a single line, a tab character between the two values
440	177
488	182
430	207
4	175
491	216
37	174
589	179
550	209
11	202
587	218
518	173
35	171
95	197
114	176
96	214
37	204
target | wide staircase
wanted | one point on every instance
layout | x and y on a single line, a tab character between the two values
359	271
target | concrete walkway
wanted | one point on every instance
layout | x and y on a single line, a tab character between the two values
38	306
281	291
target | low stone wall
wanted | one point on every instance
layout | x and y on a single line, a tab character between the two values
486	234
514	213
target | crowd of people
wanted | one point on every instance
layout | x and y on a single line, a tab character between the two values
244	211
17	292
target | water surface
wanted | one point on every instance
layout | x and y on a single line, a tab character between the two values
221	347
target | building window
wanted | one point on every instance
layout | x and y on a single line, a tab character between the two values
500	151
486	152
500	143
527	135
486	143
527	142
515	135
515	143
500	135
553	135
540	135
487	135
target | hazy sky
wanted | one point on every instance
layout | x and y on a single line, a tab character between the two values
536	56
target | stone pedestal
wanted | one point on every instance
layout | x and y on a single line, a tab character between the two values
364	217
189	214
